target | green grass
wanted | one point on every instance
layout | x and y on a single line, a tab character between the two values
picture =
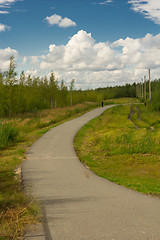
122	150
8	135
121	101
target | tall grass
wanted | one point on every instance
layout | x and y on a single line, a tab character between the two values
8	135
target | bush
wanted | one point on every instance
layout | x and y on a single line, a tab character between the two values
8	135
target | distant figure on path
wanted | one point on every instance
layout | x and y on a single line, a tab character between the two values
102	103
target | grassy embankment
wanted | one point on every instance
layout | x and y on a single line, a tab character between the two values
16	135
122	146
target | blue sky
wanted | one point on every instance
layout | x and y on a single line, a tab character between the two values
96	42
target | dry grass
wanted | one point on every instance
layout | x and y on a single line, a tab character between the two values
14	220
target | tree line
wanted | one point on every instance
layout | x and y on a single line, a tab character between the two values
29	93
154	104
155	101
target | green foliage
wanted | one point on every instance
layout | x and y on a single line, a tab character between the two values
23	94
10	90
53	90
155	103
122	149
11	74
8	135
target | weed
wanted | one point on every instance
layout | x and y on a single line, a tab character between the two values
8	135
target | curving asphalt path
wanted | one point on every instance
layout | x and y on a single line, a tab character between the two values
78	205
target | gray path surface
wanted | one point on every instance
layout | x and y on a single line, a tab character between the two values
77	203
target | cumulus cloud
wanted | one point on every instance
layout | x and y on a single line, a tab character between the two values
54	19
81	53
99	64
61	22
5	55
31	73
34	60
149	8
24	60
3	27
143	52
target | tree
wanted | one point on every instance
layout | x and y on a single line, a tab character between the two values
2	94
10	75
53	89
21	92
22	79
71	87
45	90
10	80
64	91
29	81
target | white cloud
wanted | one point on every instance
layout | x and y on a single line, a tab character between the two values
106	2
54	19
66	22
4	12
7	4
31	72
34	60
61	22
5	55
24	60
3	27
149	8
99	64
143	52
81	53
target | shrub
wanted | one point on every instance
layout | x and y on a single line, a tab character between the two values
8	135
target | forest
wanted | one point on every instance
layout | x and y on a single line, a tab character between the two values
30	94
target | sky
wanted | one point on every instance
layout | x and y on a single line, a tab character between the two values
98	43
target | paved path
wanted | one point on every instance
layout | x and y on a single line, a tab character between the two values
79	205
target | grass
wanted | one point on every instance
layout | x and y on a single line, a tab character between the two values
123	147
121	101
8	134
18	210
